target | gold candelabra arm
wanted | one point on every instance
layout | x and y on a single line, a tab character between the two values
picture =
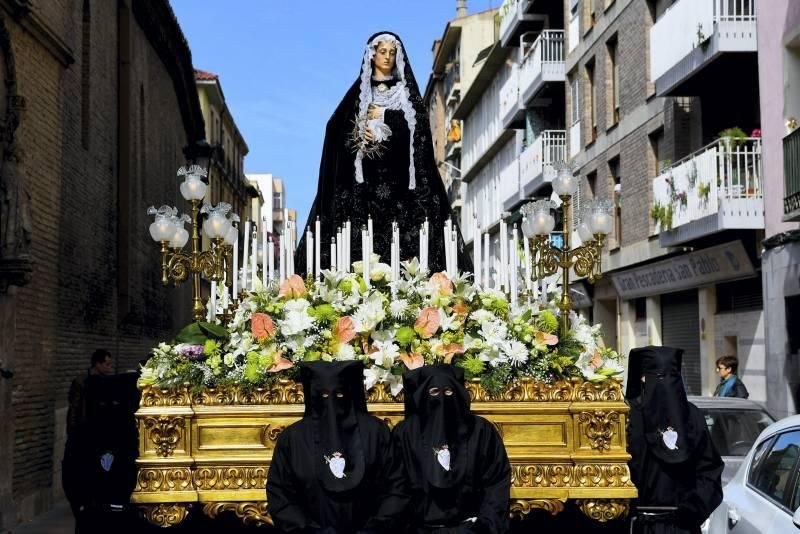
178	266
546	258
165	263
585	260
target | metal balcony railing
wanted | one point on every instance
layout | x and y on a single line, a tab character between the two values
791	172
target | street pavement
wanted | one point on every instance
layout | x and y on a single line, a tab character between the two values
59	520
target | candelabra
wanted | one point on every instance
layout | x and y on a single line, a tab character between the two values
585	260
167	230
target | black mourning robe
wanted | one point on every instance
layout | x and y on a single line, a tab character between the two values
473	495
303	495
683	472
384	194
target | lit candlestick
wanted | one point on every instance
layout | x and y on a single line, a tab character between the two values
236	266
246	256
317	248
333	254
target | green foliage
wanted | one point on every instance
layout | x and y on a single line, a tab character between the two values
405	336
704	189
496	379
324	313
473	366
547	322
735	136
662	214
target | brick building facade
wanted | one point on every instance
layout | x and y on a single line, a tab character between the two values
105	101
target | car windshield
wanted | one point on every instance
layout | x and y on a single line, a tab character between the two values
734	431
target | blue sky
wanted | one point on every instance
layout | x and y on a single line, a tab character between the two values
284	65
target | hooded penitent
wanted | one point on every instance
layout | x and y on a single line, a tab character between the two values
335	470
673	461
395	179
456	462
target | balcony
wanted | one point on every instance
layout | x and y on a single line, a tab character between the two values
516	21
511	109
543	63
696	41
549	148
508	187
452	84
574	139
454	195
791	176
717	188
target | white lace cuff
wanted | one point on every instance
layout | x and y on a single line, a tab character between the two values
380	131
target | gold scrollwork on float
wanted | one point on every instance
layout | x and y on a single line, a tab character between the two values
522	507
379	393
166	514
599	428
230	478
610	391
525	390
165	432
282	392
270	434
163	479
603	510
155	397
603	476
253	514
541	476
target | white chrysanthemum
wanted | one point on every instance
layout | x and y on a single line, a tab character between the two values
386	354
398	308
516	352
345	352
295	322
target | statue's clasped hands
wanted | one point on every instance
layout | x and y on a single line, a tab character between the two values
373	112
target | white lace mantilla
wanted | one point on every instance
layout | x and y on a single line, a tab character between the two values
395	98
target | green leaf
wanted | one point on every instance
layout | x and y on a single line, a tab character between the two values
213	331
191	334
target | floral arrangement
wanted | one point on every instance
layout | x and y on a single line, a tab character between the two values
391	326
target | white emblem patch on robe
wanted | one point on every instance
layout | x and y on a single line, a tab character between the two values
336	464
670	438
443	457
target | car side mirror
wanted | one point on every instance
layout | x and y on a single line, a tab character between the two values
796	518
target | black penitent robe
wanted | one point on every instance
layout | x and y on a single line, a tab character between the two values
673	460
335	470
693	486
387	192
483	492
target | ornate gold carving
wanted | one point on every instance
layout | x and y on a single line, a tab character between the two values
270	434
165	432
251	513
380	393
163	479
525	390
153	397
609	391
541	476
599	428
283	392
227	478
165	515
603	510
522	507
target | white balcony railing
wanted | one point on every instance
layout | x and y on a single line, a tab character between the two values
543	62
689	24
508	13
549	148
508	187
509	95
574	139
719	187
574	32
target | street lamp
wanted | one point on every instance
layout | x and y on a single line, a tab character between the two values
546	259
167	230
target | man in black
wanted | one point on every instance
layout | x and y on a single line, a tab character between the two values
456	463
335	470
673	461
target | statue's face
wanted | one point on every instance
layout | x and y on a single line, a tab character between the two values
385	57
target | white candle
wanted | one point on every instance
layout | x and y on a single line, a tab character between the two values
476	249
309	251
486	264
212	303
236	266
514	265
503	278
526	248
454	250
281	258
254	259
225	290
246	256
264	235
333	254
370	235
365	255
317	248
348	262
271	266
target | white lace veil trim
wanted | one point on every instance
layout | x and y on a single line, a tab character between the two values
365	98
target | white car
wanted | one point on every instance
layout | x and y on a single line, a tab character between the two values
763	497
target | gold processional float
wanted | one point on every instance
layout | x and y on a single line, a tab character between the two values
209	448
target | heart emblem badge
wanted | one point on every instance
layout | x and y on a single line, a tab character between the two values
336	464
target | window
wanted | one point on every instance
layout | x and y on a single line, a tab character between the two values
640	307
655	164
575	99
276	201
613	82
734	431
591	103
616	199
771	472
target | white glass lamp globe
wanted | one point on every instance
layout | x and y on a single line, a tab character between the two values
232	235
565	184
180	238
193	188
216	225
162	229
585	233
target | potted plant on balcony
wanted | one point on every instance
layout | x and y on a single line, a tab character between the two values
733	137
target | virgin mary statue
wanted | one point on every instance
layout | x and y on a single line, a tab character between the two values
377	162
